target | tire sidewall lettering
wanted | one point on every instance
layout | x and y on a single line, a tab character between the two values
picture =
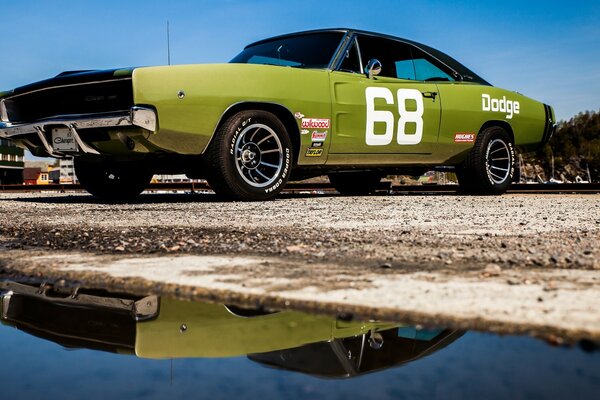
284	172
511	149
238	130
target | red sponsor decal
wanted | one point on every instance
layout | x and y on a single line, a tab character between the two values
464	137
319	136
315	123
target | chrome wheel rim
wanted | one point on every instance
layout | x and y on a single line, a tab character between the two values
258	155
498	161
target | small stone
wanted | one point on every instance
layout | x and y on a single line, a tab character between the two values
386	266
492	269
513	281
555	340
119	248
175	248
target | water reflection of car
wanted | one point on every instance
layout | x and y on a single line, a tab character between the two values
152	327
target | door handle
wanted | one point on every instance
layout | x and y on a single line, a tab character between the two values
430	95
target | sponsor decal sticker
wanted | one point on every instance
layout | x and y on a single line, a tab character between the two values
319	136
316	144
315	123
464	137
503	105
299	115
304	132
311	152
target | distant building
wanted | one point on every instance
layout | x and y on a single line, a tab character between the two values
11	163
67	171
172	178
40	173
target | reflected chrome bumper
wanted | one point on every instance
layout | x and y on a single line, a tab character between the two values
138	116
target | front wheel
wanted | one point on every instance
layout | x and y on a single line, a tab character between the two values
490	166
250	157
110	180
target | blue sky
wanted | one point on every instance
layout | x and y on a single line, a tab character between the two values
548	50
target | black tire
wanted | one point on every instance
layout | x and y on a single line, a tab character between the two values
250	157
110	180
355	183
490	165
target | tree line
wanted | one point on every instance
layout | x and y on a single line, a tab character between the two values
575	142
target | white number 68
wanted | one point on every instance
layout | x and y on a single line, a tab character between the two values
387	117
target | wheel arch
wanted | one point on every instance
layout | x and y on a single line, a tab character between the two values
502	124
281	112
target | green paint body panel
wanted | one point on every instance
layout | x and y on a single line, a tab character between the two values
213	331
186	125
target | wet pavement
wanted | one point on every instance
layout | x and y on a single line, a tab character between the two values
93	344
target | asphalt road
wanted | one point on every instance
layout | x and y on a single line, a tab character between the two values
511	264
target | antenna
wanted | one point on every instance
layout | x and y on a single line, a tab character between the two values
168	45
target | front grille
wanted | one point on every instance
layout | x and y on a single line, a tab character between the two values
84	98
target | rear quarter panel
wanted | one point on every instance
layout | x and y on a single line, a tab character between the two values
463	112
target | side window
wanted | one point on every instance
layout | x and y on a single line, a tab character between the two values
351	61
395	57
428	69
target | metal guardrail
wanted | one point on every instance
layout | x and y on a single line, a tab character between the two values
297	187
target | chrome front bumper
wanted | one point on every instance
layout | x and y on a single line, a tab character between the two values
138	116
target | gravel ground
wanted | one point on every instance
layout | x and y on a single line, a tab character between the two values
548	243
456	232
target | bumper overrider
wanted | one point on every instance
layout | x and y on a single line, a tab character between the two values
137	116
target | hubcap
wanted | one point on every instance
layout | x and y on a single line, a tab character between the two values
258	155
498	161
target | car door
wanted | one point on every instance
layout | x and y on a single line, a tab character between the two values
391	118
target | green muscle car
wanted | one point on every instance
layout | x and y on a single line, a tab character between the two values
350	104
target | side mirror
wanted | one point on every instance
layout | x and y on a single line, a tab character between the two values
373	68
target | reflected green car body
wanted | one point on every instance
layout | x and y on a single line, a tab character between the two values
162	328
184	329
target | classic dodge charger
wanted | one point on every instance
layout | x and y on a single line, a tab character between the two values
351	104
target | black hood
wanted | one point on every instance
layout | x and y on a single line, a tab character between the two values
75	77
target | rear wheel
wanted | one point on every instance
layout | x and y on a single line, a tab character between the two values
355	182
250	157
110	180
490	166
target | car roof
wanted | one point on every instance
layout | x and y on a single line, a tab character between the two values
465	72
326	30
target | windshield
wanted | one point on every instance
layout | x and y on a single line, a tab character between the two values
311	50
